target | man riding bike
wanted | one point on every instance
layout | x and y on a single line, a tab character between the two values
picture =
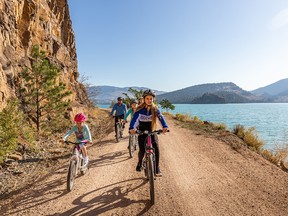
120	109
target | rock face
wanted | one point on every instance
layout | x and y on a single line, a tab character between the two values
24	23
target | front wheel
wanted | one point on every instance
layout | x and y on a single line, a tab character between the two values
151	179
71	175
121	130
131	146
118	133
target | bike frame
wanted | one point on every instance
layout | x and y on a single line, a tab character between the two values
77	154
119	125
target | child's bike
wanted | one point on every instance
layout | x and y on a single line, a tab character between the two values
133	141
149	162
76	164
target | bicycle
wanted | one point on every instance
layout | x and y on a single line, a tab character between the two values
119	129
75	160
149	162
133	141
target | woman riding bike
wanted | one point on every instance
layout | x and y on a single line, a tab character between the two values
82	132
145	119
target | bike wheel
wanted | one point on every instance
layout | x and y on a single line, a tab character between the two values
131	146
71	175
121	130
135	143
118	133
84	170
151	179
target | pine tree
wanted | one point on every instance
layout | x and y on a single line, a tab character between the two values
166	104
42	93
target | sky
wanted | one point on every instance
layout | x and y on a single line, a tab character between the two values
172	44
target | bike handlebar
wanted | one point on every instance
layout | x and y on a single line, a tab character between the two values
150	132
76	143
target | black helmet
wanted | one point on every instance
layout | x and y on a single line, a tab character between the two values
148	92
133	101
119	98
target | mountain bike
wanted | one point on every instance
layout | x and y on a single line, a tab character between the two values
76	164
133	142
149	162
119	129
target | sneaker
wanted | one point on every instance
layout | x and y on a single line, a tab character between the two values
158	172
139	167
85	161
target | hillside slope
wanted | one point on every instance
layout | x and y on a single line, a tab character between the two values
210	93
29	22
277	92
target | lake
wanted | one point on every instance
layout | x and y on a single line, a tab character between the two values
269	119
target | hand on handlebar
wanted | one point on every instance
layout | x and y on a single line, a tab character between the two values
132	131
165	130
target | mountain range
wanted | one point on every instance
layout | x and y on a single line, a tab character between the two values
211	93
107	94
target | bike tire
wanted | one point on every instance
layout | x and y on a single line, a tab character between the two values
117	133
151	179
71	175
83	171
131	146
121	131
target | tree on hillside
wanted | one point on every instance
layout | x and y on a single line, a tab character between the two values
43	95
136	94
167	105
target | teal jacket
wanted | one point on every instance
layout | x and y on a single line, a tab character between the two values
130	112
83	135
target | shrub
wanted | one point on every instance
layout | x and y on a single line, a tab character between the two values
196	119
12	125
251	139
220	126
183	117
239	130
249	136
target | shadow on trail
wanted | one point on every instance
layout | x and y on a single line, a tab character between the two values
35	197
109	142
34	194
109	159
111	197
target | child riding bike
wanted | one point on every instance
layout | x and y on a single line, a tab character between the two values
82	132
132	110
145	119
120	109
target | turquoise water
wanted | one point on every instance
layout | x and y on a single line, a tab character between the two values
269	119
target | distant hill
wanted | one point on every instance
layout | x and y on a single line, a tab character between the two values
277	92
211	93
105	94
226	92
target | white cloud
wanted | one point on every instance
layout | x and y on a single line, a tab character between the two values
279	20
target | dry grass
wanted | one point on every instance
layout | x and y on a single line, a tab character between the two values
183	117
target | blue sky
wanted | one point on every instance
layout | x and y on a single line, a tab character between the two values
172	44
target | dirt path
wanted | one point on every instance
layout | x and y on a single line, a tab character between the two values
201	176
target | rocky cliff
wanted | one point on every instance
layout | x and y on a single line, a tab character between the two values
24	23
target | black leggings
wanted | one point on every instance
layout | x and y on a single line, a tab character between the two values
141	142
